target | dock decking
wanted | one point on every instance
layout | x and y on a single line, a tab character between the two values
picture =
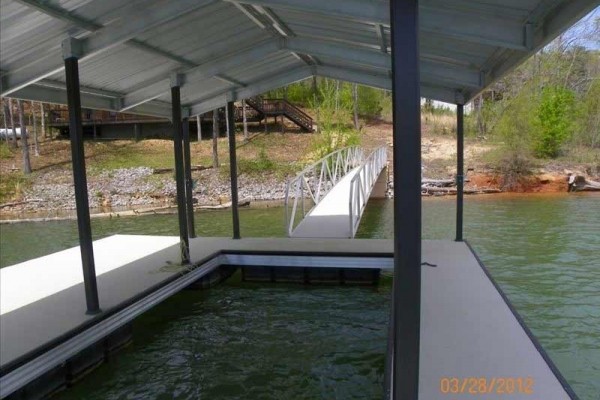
330	218
467	328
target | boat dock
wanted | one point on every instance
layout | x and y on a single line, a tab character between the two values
452	334
468	330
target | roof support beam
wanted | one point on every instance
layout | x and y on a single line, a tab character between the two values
362	56
545	28
367	11
328	49
481	27
91	26
54	95
230	81
105	38
83	89
60	13
160	86
381	36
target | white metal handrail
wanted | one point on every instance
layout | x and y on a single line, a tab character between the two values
362	184
315	181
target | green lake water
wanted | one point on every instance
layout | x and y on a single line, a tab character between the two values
265	341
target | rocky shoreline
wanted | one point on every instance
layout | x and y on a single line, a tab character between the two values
135	188
140	190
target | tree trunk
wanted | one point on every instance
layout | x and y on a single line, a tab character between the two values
480	122
316	105
215	136
428	105
13	143
199	127
355	104
36	144
5	114
245	119
26	161
578	183
43	119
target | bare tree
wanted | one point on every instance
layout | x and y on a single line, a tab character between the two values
26	161
245	119
43	119
215	137
13	144
480	122
5	114
355	104
199	127
36	144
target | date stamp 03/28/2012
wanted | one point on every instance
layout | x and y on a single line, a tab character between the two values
473	385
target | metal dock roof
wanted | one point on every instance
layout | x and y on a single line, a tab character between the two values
229	50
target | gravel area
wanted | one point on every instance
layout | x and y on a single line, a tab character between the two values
140	187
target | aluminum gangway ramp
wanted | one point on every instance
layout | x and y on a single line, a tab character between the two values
327	198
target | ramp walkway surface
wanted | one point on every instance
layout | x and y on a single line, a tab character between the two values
329	218
338	188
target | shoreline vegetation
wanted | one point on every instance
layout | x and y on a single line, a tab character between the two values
535	130
128	178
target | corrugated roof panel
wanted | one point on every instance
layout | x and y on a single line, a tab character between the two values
465	44
304	24
246	75
196	30
274	62
26	34
106	12
123	68
200	89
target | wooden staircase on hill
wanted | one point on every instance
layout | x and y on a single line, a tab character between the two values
279	107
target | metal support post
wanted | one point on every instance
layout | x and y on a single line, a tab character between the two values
233	170
80	181
189	184
404	20
179	169
460	170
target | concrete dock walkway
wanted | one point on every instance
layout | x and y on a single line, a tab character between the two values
467	328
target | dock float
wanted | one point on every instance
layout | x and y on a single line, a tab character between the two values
468	328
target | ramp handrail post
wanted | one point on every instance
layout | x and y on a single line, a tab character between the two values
362	184
286	204
330	170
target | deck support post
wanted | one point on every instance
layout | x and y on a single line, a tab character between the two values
404	19
199	127
245	120
460	177
189	183
215	138
179	168
79	178
233	169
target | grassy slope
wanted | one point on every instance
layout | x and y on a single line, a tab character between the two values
264	155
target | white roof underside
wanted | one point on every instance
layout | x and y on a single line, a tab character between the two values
228	50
